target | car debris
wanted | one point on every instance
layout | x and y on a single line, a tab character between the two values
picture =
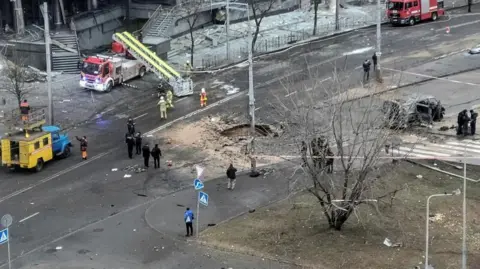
134	168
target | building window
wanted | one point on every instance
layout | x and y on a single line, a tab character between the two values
45	141
36	145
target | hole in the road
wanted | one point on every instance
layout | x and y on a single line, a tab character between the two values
244	130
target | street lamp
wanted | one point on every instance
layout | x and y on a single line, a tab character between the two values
251	96
427	221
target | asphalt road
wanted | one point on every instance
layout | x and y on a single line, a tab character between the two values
70	194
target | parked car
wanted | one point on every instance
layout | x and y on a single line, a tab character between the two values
474	51
413	110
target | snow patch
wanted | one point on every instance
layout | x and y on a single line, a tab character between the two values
358	51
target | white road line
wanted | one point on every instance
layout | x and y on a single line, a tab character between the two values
38	183
181	99
291	94
409	154
457	25
428	76
257	108
425	152
143	115
29	217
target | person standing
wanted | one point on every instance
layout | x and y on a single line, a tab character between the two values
163	108
366	70
232	177
156	154
24	110
169	99
203	98
465	120
131	126
146	155
473	121
138	143
130	143
188	218
83	146
374	59
460	123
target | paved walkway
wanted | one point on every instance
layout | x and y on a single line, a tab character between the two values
166	215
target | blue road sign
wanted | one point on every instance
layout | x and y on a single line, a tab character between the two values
203	198
198	184
4	234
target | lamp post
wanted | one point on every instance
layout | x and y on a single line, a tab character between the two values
378	53
251	94
464	213
427	221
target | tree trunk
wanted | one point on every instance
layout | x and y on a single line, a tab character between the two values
255	36
192	46
340	217
315	18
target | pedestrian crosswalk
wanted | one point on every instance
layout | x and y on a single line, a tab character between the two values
443	150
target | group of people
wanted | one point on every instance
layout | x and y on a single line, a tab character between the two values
464	121
366	67
134	139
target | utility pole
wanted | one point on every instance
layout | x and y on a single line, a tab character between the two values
227	28
379	41
49	62
251	102
337	11
464	226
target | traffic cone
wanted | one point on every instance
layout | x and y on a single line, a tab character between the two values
447	30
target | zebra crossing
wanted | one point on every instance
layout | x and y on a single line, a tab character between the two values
467	148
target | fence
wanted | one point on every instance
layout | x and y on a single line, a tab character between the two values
264	45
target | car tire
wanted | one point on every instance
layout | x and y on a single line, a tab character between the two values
434	16
39	165
66	152
142	71
411	21
109	87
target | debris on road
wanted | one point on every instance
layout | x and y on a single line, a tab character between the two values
114	169
419	176
127	176
59	248
134	168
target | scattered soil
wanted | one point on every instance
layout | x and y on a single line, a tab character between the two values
214	143
296	229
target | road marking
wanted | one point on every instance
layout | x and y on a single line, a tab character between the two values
291	93
11	195
428	76
257	108
181	99
143	115
458	25
29	217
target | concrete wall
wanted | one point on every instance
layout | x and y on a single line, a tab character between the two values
95	29
32	54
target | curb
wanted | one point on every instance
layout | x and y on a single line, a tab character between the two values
308	41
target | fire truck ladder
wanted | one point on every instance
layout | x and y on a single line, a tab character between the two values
181	86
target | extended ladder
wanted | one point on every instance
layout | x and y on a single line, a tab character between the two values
181	86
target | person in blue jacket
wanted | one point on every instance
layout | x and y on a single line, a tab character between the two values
188	218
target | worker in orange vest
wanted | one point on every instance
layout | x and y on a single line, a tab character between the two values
203	98
83	146
24	110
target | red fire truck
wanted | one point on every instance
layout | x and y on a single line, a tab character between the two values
413	11
102	72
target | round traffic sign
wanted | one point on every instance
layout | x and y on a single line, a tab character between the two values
6	220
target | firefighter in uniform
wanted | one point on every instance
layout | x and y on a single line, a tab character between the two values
24	110
203	98
188	68
163	108
169	99
83	146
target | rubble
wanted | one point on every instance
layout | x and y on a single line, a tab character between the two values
134	168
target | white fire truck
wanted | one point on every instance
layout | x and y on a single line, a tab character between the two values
102	72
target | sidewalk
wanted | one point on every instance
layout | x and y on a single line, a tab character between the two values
166	215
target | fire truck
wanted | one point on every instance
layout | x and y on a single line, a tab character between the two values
401	12
102	72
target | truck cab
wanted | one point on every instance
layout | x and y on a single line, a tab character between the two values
409	12
34	145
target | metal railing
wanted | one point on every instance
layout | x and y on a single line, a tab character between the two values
166	19
152	18
74	29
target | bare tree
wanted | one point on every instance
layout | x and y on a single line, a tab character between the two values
259	10
324	119
15	76
191	15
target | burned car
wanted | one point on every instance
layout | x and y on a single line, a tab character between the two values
413	110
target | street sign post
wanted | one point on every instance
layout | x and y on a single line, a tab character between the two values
6	221
202	199
198	184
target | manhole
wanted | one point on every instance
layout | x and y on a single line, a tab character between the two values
244	130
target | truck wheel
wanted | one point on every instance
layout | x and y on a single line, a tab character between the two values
39	165
142	72
109	87
66	152
434	16
411	21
